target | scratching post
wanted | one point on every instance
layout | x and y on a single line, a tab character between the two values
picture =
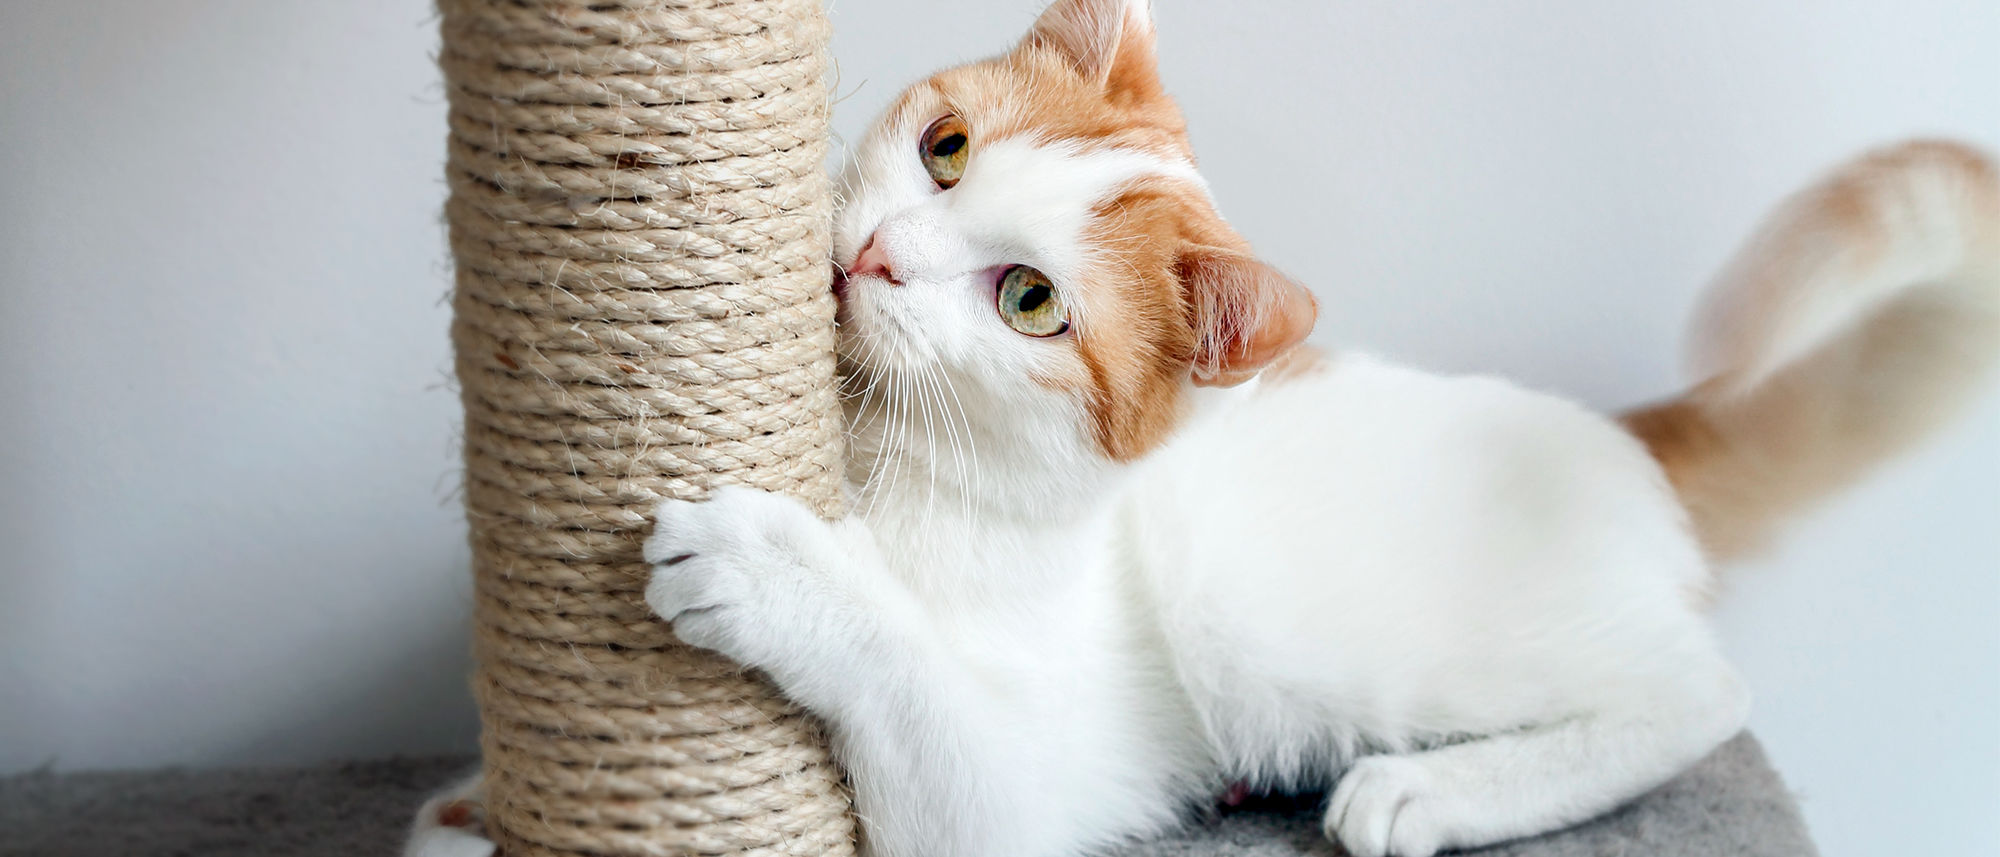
640	221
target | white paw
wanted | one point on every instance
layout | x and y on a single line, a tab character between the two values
731	575
1386	806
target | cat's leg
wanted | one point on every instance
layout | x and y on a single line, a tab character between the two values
451	823
1537	779
764	581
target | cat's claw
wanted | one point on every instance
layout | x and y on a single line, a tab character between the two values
1384	807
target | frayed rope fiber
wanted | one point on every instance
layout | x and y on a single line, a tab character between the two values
640	220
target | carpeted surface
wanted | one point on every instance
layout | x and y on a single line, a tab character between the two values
1732	805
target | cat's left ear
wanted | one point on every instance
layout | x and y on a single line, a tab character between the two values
1245	314
1110	42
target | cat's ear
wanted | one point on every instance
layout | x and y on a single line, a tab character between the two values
1245	314
1109	41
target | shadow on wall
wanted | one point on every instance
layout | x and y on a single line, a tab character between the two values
416	702
338	691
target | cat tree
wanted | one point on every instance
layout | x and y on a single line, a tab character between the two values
640	219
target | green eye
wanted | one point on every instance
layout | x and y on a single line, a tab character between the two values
944	148
1028	303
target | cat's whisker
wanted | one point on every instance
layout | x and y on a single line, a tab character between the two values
906	449
870	411
896	438
933	378
968	457
921	404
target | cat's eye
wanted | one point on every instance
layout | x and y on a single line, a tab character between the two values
944	147
1029	304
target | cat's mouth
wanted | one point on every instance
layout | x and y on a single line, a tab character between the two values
839	283
843	305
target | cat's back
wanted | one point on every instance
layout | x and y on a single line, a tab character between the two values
1365	430
1365	466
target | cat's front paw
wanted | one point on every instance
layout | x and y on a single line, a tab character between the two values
735	573
1386	806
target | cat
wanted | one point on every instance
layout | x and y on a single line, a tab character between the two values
1119	540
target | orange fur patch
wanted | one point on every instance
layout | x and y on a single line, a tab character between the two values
1141	330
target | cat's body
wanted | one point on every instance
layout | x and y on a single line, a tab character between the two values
1274	593
1097	571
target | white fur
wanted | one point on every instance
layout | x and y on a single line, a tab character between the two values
1024	649
1472	599
1284	591
1032	651
1413	561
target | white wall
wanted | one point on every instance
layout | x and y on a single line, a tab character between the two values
227	533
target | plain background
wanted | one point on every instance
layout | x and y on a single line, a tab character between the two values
228	532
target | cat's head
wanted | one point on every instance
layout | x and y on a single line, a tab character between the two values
1031	229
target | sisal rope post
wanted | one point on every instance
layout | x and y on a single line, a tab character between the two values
640	220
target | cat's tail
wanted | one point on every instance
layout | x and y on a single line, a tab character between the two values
1865	312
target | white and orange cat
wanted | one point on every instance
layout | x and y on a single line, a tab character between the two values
1119	541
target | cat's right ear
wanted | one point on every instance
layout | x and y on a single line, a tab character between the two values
1244	314
1109	42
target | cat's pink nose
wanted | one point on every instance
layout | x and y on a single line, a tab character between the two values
873	261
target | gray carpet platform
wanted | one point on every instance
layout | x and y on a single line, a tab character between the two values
1732	805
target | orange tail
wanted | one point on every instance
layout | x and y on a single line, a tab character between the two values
1865	311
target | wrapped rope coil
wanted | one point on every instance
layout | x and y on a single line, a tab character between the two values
639	217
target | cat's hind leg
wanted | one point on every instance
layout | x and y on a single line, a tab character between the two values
452	823
1534	780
